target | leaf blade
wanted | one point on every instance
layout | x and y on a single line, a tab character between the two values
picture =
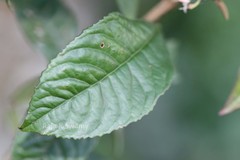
128	8
76	100
36	147
233	102
47	25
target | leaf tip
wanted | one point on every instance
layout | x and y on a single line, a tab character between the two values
225	111
21	128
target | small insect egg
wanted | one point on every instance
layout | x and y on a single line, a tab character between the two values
102	45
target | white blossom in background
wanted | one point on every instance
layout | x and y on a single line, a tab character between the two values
185	4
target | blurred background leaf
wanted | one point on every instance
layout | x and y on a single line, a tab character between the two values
48	25
233	102
37	147
19	101
129	7
24	92
185	125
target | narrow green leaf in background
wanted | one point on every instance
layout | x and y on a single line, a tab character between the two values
109	76
48	25
129	7
24	92
233	102
32	146
20	99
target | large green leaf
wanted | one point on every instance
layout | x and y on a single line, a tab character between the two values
129	7
48	25
32	146
108	77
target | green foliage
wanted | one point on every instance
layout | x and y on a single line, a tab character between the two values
129	7
185	124
32	146
106	78
113	74
48	25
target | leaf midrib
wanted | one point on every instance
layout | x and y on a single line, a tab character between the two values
154	34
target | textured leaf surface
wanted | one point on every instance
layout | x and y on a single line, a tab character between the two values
233	102
48	25
129	7
106	78
32	146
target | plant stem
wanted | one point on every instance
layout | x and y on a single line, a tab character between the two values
223	7
118	143
159	10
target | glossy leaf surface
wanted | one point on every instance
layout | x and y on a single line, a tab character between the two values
106	78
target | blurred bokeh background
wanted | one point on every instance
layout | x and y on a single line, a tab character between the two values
185	124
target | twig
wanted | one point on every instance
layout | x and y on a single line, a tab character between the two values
159	10
223	8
